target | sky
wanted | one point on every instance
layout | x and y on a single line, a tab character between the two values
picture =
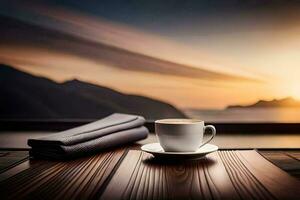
255	43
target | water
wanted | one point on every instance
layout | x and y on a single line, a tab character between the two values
284	115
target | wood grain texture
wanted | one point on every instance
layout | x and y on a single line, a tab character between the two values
14	170
294	154
80	178
279	183
289	161
8	159
221	175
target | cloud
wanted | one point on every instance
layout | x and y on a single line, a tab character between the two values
95	38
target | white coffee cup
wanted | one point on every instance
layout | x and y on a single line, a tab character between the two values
182	135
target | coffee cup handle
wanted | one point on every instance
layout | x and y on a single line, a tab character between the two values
213	133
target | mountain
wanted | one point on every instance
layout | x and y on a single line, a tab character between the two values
125	103
275	103
24	96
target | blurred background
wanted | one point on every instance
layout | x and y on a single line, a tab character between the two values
221	61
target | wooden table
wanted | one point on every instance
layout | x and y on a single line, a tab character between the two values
127	173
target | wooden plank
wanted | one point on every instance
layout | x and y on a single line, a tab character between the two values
8	159
286	160
282	159
222	175
294	154
139	178
246	185
279	183
14	170
80	178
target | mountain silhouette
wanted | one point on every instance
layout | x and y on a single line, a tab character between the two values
24	96
275	103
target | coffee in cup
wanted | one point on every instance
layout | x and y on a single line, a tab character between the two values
182	135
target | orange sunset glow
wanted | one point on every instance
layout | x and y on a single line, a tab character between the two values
212	71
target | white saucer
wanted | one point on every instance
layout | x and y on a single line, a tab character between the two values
157	151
